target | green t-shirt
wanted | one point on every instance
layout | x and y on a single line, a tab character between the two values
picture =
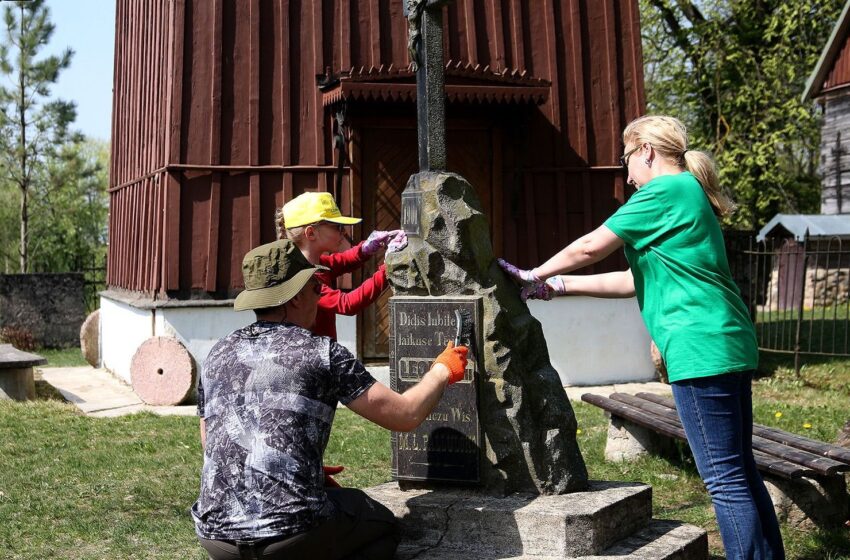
691	306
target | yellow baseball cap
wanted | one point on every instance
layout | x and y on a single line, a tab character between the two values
312	207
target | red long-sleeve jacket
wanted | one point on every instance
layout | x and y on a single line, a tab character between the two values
333	301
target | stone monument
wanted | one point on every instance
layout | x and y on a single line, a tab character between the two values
528	427
495	470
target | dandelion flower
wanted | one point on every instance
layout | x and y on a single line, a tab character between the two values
807	426
778	415
578	431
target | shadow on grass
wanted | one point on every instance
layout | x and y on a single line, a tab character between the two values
44	391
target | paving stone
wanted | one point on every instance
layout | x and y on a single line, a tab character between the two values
98	393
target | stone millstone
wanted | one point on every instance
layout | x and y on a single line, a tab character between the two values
90	339
528	424
162	371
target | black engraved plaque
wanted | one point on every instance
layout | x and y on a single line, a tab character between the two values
446	446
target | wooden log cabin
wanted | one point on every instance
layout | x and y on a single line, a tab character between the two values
225	109
829	85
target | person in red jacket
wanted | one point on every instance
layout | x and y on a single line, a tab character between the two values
313	221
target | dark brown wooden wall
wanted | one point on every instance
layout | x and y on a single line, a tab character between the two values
839	75
218	120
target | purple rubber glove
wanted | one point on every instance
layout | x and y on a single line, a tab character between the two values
522	276
378	240
544	290
398	242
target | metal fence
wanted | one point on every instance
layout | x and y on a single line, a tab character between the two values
94	274
798	292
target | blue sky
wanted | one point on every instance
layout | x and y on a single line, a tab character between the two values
88	27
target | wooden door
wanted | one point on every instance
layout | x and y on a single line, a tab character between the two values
388	157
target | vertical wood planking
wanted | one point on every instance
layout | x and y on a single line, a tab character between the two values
211	273
562	216
575	71
581	47
211	280
613	80
286	85
469	31
587	198
149	249
318	68
530	221
517	37
253	121
116	111
286	112
134	104
635	48
344	27
374	33
497	32
171	239
554	76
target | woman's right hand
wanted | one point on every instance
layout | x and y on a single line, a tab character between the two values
531	286
518	274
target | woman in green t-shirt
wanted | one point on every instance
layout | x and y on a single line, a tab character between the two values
693	310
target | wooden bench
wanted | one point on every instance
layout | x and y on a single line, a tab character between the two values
805	477
16	378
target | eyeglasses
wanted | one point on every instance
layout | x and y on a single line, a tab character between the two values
624	159
339	227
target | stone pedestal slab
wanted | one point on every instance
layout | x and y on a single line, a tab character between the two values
661	540
17	384
810	503
16	375
481	526
628	441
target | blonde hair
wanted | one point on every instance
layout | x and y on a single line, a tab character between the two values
669	138
295	234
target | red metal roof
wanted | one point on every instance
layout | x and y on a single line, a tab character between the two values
465	83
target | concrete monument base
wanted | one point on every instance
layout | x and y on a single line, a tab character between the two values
610	519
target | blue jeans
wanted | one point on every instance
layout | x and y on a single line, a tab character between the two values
717	414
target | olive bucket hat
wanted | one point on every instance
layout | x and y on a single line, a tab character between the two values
274	273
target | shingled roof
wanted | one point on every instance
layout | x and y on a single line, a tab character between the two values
464	83
835	51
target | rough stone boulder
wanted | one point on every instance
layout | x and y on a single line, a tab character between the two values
526	417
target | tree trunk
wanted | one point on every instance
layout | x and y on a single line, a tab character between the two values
24	181
24	230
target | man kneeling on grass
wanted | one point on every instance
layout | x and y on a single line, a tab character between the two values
266	398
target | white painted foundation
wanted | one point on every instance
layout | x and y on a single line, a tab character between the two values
591	341
594	341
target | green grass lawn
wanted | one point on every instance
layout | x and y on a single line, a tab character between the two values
79	487
62	357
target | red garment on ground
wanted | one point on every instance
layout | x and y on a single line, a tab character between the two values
335	301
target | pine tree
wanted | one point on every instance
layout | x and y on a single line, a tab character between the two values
32	127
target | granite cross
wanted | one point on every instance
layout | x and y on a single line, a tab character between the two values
425	45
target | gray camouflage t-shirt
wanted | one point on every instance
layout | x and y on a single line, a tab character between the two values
268	394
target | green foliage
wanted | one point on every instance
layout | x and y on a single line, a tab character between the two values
69	209
734	71
33	127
